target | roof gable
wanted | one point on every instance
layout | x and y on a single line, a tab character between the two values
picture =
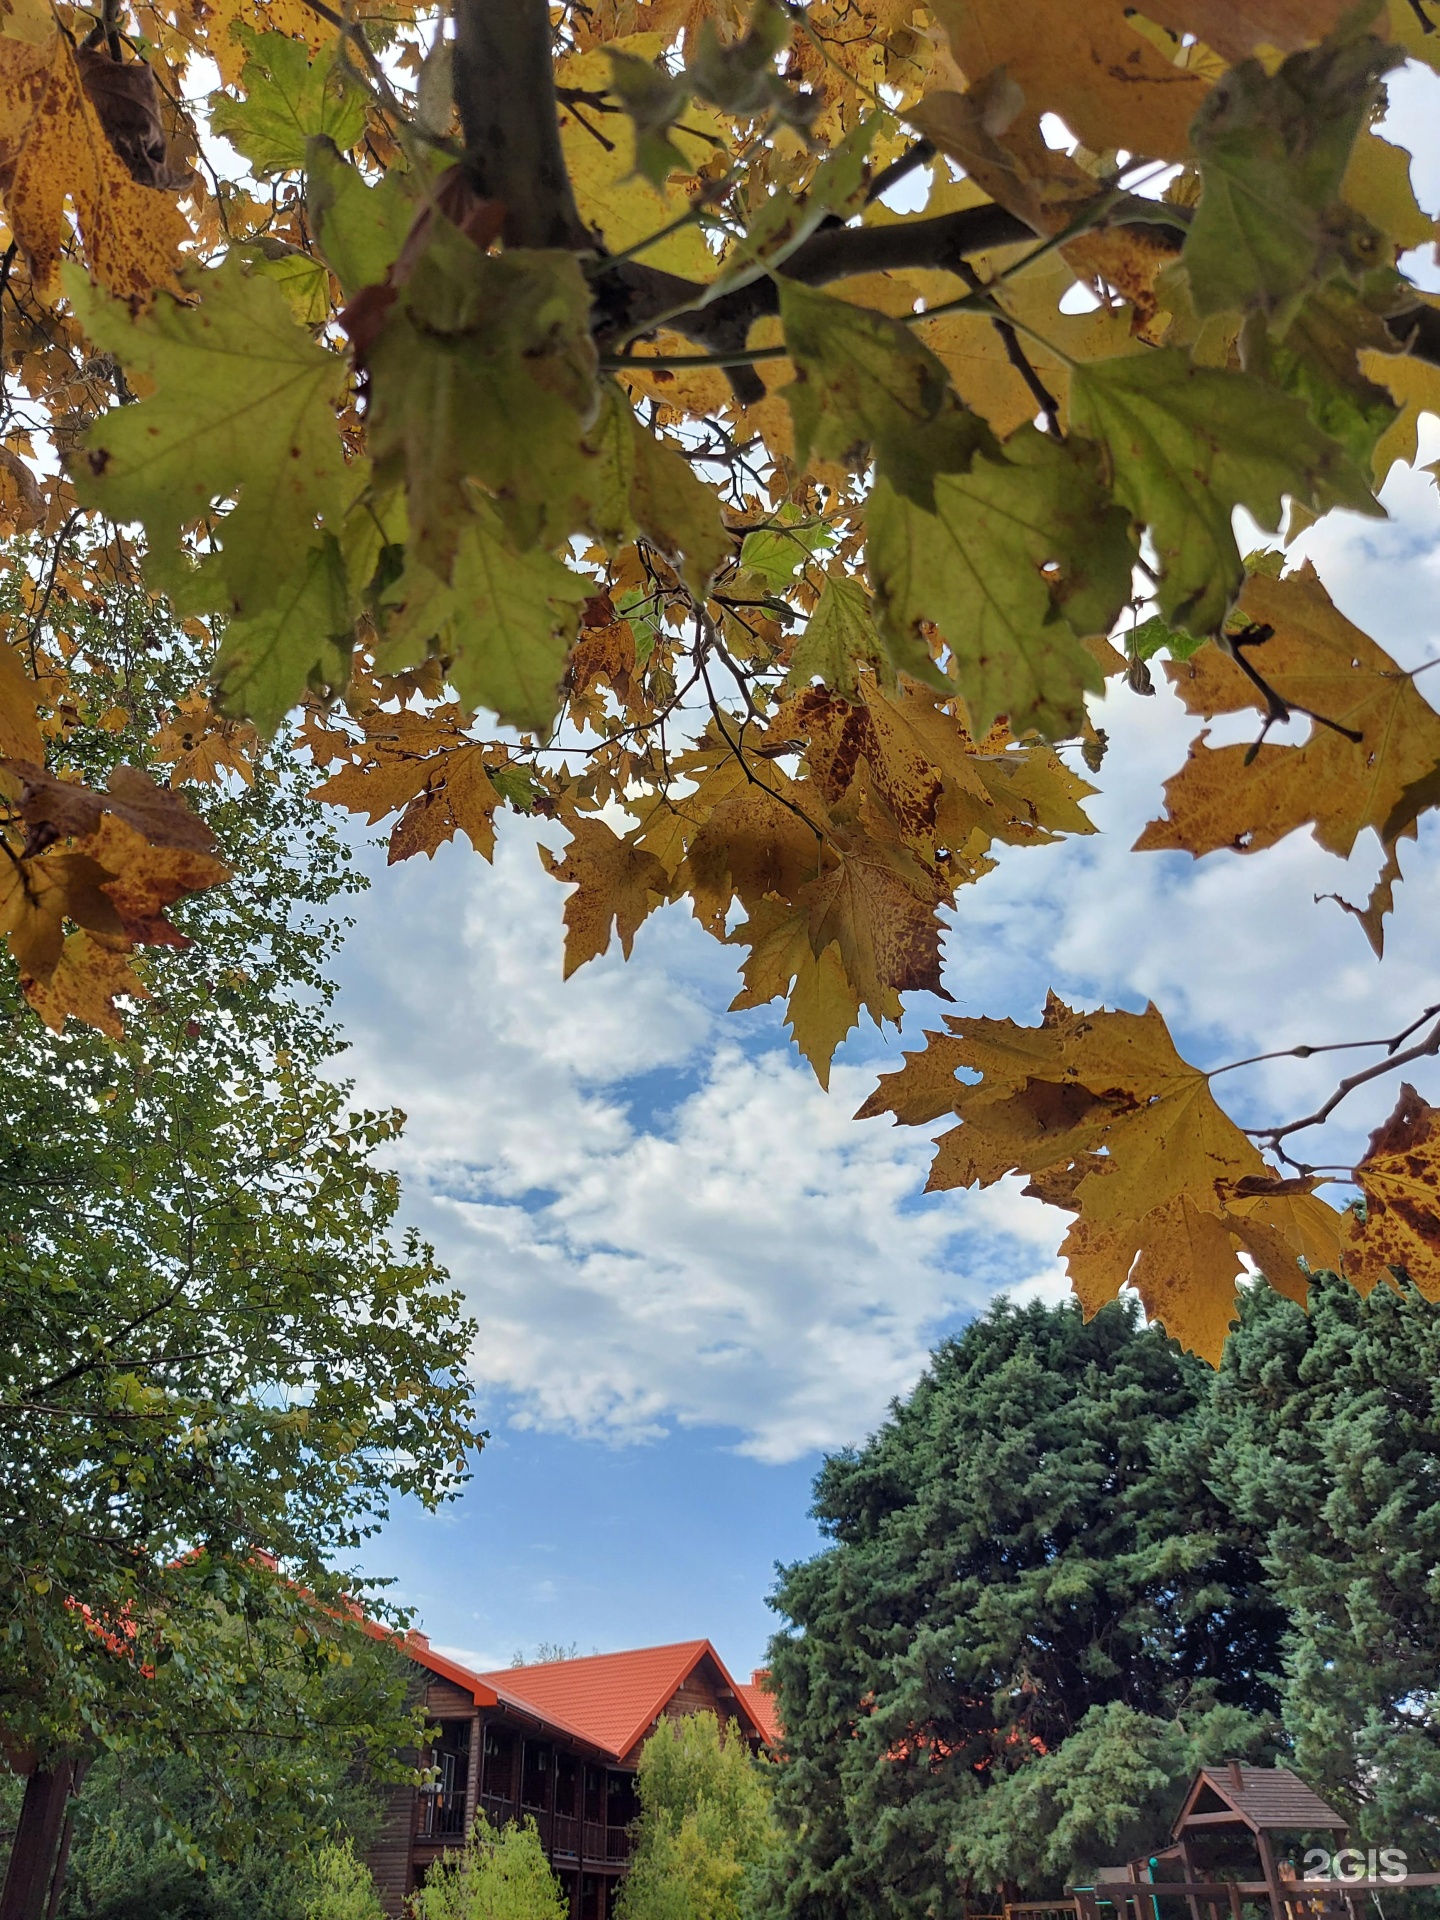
1265	1799
613	1699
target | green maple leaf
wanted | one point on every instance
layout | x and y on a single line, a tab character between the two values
266	660
642	485
1022	555
863	380
485	371
506	619
773	553
1187	445
287	103
838	638
1273	149
1316	359
244	405
358	228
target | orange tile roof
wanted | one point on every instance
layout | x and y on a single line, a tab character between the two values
613	1698
762	1706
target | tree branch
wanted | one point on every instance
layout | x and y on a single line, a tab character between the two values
505	90
630	296
1428	1047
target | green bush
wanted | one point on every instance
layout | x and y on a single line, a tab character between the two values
502	1874
341	1887
705	1825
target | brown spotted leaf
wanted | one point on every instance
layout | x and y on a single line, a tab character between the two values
1400	1178
54	149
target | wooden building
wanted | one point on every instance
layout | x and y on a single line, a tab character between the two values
557	1743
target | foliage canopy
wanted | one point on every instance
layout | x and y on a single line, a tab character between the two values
557	406
219	1362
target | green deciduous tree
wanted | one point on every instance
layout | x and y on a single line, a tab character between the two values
219	1360
705	1830
500	1874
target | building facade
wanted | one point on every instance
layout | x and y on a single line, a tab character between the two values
558	1744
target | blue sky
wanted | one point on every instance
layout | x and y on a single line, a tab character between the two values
693	1271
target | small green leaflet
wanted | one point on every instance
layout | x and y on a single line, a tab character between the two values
1144	641
773	553
1273	150
1187	445
244	404
287	102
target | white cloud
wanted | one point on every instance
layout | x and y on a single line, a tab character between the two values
656	1214
750	1258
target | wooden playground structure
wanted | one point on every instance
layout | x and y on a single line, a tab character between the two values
1271	1809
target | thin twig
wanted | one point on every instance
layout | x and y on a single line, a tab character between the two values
351	31
1330	1046
1017	356
1426	1048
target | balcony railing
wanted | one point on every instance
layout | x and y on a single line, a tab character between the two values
566	1840
442	1815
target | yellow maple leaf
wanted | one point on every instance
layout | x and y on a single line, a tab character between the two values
38	893
1414	385
200	744
1112	1123
86	981
1236	28
1400	1178
20	737
821	1005
1107	82
459	798
1224	797
617	884
877	903
53	149
616	201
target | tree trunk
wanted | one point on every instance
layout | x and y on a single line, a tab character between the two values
505	90
34	1854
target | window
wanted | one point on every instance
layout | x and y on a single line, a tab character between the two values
567	1784
498	1779
446	1796
622	1802
535	1776
595	1794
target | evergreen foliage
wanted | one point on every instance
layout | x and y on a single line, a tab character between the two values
1075	1565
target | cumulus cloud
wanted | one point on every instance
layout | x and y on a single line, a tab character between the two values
657	1215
